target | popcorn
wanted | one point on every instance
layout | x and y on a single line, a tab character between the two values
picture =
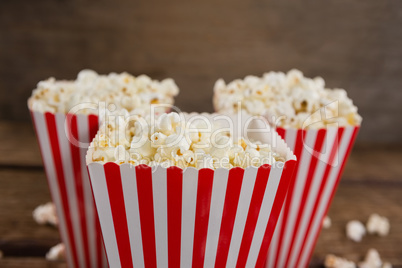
45	214
378	225
355	230
173	141
332	261
326	222
126	92
287	100
56	253
120	154
373	260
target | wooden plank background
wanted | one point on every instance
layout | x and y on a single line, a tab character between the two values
356	45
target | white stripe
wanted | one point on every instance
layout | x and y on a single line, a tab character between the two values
300	181
265	212
190	183
70	184
215	215
47	156
246	192
328	143
332	177
273	247
130	191
160	212
83	137
313	193
290	138
104	259
99	187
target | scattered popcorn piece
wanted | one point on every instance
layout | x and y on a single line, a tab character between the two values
287	100
386	265
372	260
124	91
173	140
326	223
45	214
56	253
355	230
332	261
377	224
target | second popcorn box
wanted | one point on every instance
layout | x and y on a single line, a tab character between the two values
65	115
183	191
320	126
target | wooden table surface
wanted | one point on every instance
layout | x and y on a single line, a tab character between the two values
372	183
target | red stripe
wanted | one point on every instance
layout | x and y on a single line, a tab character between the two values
93	127
204	191
146	208
307	186
116	199
281	132
54	141
253	212
233	189
76	161
350	146
299	144
286	178
174	187
332	155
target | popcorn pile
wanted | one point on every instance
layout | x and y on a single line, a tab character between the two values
170	141
287	100
134	94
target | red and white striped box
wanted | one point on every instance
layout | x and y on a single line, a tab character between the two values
169	217
69	184
321	156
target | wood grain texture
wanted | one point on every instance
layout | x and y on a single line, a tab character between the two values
21	192
31	263
353	44
19	146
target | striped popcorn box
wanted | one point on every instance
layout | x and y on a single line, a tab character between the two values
67	175
321	155
170	217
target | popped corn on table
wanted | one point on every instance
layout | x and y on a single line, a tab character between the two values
372	183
